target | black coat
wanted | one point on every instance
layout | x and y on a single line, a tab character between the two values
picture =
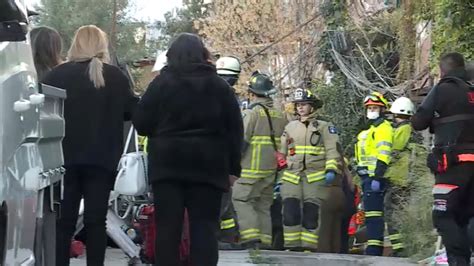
451	96
94	117
194	126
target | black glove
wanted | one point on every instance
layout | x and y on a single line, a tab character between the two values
380	169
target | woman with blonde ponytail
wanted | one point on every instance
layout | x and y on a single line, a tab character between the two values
99	100
90	45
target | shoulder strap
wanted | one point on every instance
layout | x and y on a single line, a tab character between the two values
452	118
270	123
131	133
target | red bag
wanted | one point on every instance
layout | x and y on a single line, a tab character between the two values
146	221
77	249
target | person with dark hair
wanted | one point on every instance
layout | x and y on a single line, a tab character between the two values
194	126
47	48
46	44
448	111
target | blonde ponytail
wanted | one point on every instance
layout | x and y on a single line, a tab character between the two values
90	43
96	75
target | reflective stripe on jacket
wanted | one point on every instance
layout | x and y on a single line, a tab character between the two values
374	144
258	160
311	150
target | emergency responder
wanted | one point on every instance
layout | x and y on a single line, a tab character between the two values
397	188
253	191
311	180
373	154
228	68
449	112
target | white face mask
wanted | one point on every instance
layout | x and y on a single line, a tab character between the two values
373	115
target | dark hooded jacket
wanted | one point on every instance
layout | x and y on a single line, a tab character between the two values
194	126
451	97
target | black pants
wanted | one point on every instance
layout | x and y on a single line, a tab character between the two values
453	208
349	210
94	185
276	210
203	203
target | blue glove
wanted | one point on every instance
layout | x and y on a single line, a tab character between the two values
330	177
375	185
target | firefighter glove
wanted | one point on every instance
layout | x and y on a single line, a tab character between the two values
330	177
375	185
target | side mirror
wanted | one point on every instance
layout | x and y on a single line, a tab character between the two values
10	11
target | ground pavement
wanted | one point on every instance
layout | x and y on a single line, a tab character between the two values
115	257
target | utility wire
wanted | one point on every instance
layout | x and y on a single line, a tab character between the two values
299	27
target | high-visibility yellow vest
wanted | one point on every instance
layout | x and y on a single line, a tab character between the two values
374	144
398	170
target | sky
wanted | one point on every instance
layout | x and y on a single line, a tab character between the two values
148	10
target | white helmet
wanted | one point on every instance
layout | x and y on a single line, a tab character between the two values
161	61
403	106
228	65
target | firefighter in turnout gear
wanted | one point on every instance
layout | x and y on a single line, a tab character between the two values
397	188
311	180
373	154
448	111
228	68
253	191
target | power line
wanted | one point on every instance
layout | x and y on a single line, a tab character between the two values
280	39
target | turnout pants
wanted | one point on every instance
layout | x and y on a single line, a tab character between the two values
228	224
312	214
374	216
394	196
252	199
453	210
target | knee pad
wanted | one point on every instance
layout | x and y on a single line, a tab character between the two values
291	212
310	215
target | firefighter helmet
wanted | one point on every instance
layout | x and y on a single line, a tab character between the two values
403	106
261	84
228	65
306	96
376	98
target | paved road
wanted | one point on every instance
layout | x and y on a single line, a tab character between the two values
115	257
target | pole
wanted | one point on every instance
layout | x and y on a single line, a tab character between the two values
113	31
